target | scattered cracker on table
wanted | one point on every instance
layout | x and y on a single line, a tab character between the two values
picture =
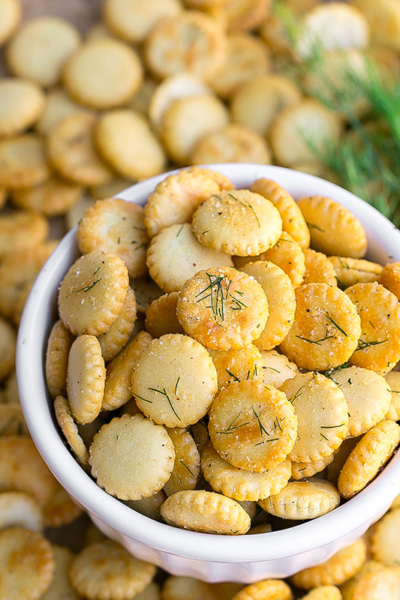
23	161
18	509
10	15
21	104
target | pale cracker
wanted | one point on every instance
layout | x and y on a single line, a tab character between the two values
20	460
390	278
21	104
326	328
199	46
93	292
383	19
379	310
256	103
286	254
115	338
187	462
175	199
222	308
71	150
373	450
333	228
281	302
174	381
237	365
118	377
239	484
231	144
132	457
40	49
266	589
133	21
301	470
86	376
58	106
182	588
51	198
116	226
393	379
180	132
70	430
12	420
127	143
175	255
23	162
384	540
18	509
336	570
377	584
26	564
58	347
321	410
206	512
303	130
161	316
301	500
332	27
247	58
170	89
292	217
60	509
103	74
10	15
149	507
122	576
60	587
8	341
276	368
240	222
246	15
368	397
319	268
252	426
350	271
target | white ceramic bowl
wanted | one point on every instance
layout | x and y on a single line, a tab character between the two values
209	557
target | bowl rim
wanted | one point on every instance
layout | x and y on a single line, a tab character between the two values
36	405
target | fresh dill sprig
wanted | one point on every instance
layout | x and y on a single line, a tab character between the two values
230	428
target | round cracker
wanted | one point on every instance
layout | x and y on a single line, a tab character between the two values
86	376
51	198
379	310
26	563
324	592
390	278
131	457
319	268
206	512
242	223
133	21
60	587
336	570
350	271
393	379
10	15
22	162
268	588
326	328
122	576
181	588
175	255
302	500
252	426
70	430
18	509
245	15
60	509
292	218
116	226
161	316
115	338
174	381
103	73
58	106
276	368
239	484
281	302
21	104
301	470
58	347
93	292
21	231
40	49
71	151
322	414
333	228
222	308
126	142
371	453
237	365
383	545
12	420
187	463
